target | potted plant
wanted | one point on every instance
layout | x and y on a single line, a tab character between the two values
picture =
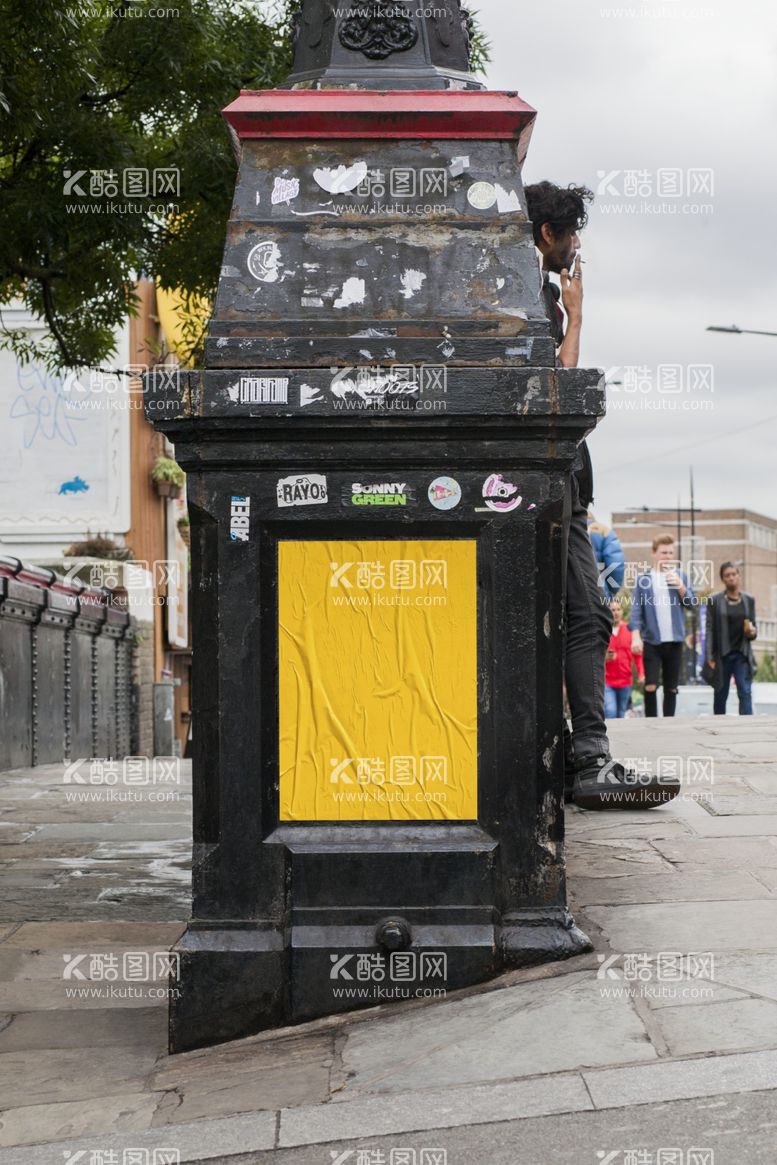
184	530
168	477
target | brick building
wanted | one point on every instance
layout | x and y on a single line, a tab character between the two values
740	536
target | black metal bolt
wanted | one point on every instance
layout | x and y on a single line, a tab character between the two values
393	934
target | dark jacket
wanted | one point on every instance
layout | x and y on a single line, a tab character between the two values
718	643
583	468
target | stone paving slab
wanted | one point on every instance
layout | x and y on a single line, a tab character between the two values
53	1074
201	1140
547	1027
114	1027
285	1071
126	1114
689	926
727	1026
684	887
438	1109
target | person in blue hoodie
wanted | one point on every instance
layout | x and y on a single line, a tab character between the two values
657	622
609	556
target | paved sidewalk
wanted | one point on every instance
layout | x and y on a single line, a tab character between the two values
665	1036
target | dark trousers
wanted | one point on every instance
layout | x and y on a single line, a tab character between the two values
735	665
589	627
666	658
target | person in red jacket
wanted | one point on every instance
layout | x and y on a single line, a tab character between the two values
618	671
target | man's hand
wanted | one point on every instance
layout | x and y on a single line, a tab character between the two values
673	580
711	664
572	302
572	292
637	646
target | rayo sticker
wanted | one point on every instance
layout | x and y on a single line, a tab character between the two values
444	493
240	519
305	489
501	495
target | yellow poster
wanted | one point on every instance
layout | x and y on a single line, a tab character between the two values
378	680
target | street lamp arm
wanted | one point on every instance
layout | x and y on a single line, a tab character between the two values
735	331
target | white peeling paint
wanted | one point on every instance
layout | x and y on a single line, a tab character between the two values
447	349
233	392
458	166
365	352
312	301
500	283
412	281
507	202
342	179
311	266
354	291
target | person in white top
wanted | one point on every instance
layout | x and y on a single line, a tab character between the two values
658	624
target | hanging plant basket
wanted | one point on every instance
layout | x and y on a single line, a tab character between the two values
168	477
168	489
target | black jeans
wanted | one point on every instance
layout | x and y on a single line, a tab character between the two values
589	626
666	657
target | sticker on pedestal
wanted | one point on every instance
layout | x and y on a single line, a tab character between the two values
240	519
500	495
482	195
307	489
264	262
384	494
444	493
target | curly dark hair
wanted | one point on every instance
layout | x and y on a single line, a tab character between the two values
563	208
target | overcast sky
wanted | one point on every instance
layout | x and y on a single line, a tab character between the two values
648	93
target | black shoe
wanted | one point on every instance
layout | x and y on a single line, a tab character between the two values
603	783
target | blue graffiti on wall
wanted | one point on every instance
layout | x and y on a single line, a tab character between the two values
76	486
45	407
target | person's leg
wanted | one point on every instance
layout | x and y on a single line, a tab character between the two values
623	697
652	661
599	781
611	703
589	626
672	660
722	693
744	685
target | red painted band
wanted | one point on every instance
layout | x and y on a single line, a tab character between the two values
397	114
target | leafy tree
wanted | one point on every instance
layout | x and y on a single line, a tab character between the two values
89	91
767	670
108	89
